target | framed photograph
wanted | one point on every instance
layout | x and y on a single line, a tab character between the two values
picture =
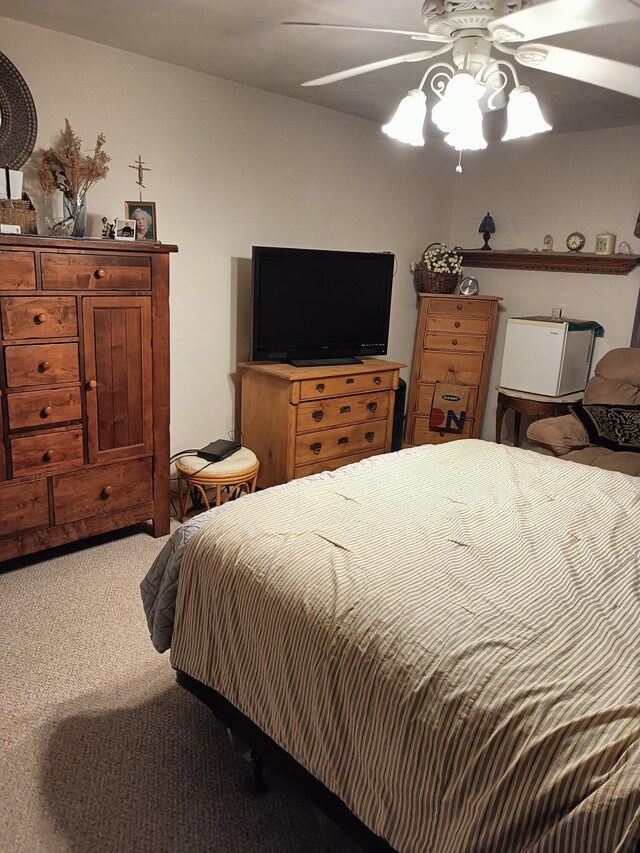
144	214
125	229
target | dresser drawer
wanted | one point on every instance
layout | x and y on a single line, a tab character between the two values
342	410
332	386
43	408
38	317
461	325
42	364
332	464
23	507
45	452
339	441
105	488
469	343
423	434
425	399
462	367
461	307
94	272
17	271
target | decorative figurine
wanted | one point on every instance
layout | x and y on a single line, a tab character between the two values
547	245
487	228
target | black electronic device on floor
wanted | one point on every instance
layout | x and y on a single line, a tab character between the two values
218	450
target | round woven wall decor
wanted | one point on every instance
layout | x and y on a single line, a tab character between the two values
18	119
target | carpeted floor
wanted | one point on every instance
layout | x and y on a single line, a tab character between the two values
101	751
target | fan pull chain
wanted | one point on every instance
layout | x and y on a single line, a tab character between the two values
459	166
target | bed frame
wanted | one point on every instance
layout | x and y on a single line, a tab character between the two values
263	747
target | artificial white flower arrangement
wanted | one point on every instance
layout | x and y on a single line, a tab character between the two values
439	258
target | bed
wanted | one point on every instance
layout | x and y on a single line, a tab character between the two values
444	638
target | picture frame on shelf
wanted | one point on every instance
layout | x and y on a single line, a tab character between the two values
144	214
125	230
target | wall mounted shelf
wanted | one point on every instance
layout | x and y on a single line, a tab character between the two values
582	262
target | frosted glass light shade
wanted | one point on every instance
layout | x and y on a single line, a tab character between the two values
466	134
462	94
524	117
406	125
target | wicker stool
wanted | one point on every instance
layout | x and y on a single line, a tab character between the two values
234	476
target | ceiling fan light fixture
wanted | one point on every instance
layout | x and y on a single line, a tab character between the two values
524	116
407	123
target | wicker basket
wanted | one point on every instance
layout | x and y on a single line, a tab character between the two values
19	212
427	281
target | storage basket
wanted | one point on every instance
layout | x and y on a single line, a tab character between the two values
19	212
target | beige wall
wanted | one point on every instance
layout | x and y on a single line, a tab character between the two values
589	182
231	167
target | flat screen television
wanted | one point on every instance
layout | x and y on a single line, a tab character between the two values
315	306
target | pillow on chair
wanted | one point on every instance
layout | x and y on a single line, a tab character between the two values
608	425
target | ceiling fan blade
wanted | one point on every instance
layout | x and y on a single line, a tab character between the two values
607	73
418	56
411	33
562	16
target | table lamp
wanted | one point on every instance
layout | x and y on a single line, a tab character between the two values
487	228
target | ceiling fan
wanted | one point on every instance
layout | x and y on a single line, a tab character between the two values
476	81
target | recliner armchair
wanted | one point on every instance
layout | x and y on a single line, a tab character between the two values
616	382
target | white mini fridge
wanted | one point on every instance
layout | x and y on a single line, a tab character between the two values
546	356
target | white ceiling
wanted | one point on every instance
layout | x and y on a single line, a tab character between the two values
244	41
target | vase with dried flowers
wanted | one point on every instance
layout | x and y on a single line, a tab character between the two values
67	169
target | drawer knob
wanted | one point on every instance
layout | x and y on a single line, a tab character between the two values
46	411
344	440
344	410
100	273
48	455
451	369
457	324
369	436
377	380
442	433
316	447
459	306
44	365
41	318
372	406
92	384
320	386
454	342
350	381
107	490
318	415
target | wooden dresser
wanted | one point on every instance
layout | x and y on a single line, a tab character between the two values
84	389
454	343
301	420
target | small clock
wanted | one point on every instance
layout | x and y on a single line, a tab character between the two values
575	241
469	285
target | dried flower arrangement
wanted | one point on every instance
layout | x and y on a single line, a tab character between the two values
439	258
67	169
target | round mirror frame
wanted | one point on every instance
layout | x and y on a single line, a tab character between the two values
18	119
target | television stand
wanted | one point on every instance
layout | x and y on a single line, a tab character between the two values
323	362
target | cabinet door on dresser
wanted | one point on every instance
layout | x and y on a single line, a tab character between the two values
118	376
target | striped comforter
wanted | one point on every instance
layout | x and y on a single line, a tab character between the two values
447	639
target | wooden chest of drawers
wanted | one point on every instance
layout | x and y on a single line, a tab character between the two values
454	343
84	405
301	420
